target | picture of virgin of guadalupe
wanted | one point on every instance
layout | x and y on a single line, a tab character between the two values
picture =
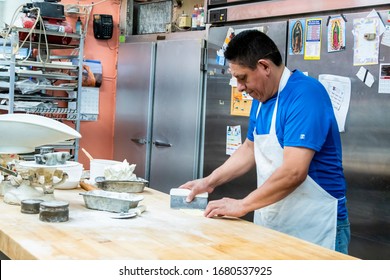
297	38
336	38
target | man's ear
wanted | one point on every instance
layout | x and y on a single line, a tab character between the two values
264	64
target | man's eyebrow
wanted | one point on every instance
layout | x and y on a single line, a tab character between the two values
240	76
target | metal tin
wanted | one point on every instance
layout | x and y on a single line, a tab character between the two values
54	211
30	206
111	201
135	186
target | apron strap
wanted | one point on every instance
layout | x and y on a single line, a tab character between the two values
283	81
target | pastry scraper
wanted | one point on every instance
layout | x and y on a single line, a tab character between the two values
178	199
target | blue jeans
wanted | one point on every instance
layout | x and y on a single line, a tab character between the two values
343	236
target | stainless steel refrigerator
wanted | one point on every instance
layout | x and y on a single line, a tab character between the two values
159	109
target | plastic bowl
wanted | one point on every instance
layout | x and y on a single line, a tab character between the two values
97	167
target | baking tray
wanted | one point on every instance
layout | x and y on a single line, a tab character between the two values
111	201
135	186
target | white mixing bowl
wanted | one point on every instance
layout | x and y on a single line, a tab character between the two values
74	171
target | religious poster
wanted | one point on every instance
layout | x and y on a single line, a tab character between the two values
297	32
336	34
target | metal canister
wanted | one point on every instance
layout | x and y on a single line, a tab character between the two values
30	206
54	211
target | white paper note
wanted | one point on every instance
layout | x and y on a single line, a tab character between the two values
339	90
365	76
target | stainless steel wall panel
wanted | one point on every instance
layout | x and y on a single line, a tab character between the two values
366	144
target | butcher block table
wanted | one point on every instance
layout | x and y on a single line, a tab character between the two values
158	233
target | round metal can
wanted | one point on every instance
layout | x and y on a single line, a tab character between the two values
30	206
54	211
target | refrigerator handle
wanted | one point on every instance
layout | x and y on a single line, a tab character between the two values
161	144
141	141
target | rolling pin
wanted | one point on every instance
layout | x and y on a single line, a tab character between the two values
87	187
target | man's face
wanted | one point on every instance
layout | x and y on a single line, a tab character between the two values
254	82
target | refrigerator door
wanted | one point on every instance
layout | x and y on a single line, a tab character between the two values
177	113
133	105
218	103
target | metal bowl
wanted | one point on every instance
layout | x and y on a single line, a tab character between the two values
135	186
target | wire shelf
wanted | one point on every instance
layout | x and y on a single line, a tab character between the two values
53	113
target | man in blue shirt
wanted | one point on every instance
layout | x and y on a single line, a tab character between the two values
294	142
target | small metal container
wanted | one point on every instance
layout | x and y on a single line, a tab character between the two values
30	206
54	211
135	186
46	149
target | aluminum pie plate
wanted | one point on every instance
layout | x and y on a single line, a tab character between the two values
125	186
111	201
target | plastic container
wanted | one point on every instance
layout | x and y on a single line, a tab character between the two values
97	167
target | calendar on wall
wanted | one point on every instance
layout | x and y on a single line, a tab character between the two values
89	104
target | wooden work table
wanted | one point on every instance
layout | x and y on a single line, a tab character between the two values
159	233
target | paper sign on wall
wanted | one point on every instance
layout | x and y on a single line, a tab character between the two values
339	90
366	41
384	78
313	39
233	138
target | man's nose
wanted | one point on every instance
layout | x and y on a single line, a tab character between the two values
241	87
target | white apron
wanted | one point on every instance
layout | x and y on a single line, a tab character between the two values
309	212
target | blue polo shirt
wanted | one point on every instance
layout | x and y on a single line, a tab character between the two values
305	118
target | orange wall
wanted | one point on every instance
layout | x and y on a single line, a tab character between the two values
97	136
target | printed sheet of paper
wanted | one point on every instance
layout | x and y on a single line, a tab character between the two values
313	39
386	37
366	41
233	138
384	78
339	90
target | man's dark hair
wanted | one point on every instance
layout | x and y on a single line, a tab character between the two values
249	46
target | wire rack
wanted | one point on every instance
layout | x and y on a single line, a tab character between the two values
53	113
